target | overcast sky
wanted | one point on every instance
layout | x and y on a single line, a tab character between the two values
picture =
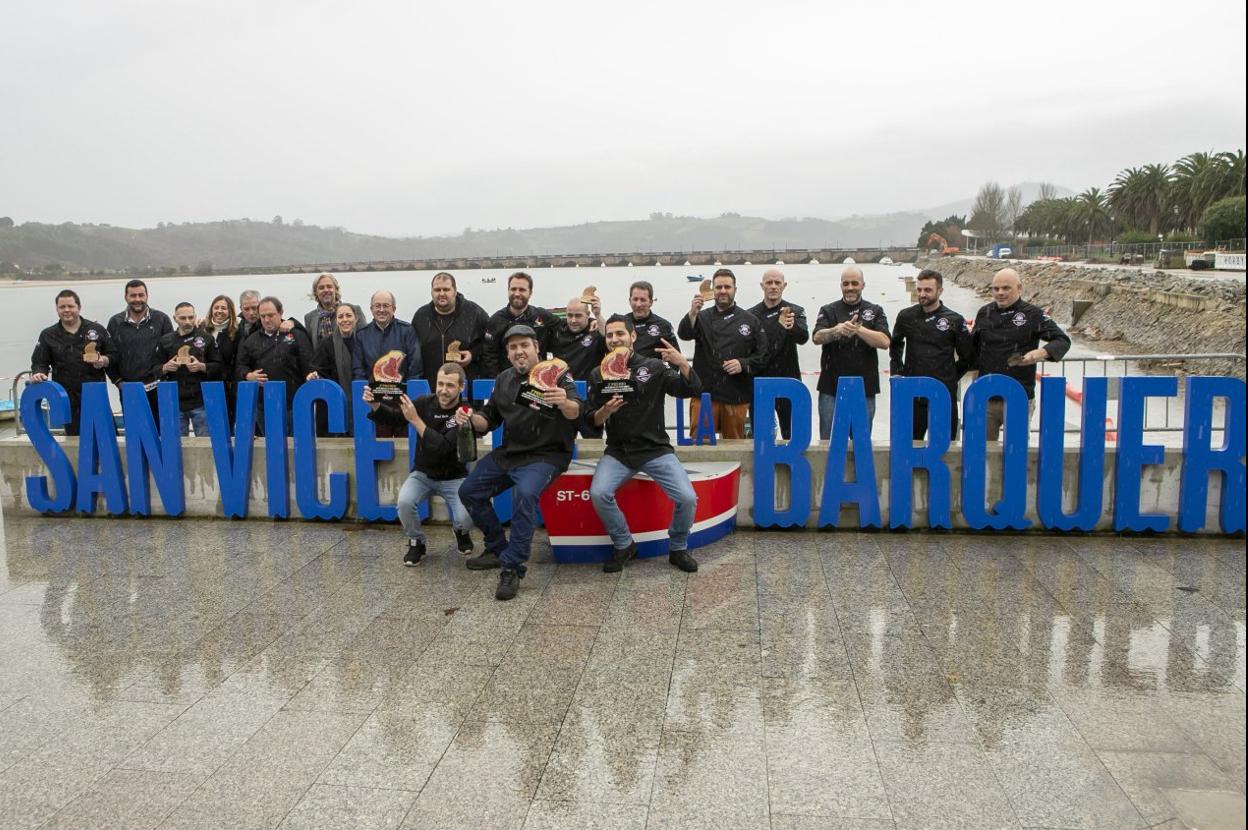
405	118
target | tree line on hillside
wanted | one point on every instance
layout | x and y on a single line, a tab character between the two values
1200	197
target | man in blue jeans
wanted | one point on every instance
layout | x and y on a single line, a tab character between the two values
538	435
437	468
637	442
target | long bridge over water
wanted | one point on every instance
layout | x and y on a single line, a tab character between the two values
764	256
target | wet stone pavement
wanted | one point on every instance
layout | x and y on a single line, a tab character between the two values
208	674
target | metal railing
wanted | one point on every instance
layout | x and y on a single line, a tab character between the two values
1116	250
1161	414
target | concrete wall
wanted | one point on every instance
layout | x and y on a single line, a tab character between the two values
1159	489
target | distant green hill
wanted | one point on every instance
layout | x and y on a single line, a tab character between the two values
242	243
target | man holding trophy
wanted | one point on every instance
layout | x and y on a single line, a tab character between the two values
627	394
386	353
536	402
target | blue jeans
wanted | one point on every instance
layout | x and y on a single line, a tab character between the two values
196	419
827	405
416	489
671	478
527	482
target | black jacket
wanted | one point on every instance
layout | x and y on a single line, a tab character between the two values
325	363
782	342
59	354
936	345
137	346
285	356
850	357
529	435
203	348
542	321
227	349
735	334
1001	332
436	331
582	351
437	452
637	432
650	331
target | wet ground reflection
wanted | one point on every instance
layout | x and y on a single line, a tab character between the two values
203	674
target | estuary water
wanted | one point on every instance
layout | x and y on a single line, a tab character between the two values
29	305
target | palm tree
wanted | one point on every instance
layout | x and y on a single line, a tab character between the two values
1233	173
1154	197
1126	196
1199	180
1139	197
1092	212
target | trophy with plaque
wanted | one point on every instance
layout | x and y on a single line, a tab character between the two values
543	377
387	382
617	378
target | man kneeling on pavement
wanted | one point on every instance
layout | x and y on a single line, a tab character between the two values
537	447
637	442
437	468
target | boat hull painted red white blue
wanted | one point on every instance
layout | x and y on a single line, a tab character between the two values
577	535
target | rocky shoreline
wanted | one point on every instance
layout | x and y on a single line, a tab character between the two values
1123	310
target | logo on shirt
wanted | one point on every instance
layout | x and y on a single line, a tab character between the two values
868	315
744	329
654	330
289	338
198	342
643	374
587	340
1020	319
92	334
942	324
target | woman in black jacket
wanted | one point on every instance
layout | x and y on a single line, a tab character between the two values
332	361
222	324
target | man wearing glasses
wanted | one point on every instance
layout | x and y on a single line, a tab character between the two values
383	335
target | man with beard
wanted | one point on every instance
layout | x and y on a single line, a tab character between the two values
785	324
383	335
637	442
437	468
200	361
321	321
851	331
271	354
1006	341
448	318
72	351
930	340
517	312
537	447
652	330
136	333
731	348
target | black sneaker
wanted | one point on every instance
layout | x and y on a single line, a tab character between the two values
463	541
618	557
415	553
508	584
484	562
683	560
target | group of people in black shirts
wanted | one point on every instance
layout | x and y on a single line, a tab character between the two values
451	341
